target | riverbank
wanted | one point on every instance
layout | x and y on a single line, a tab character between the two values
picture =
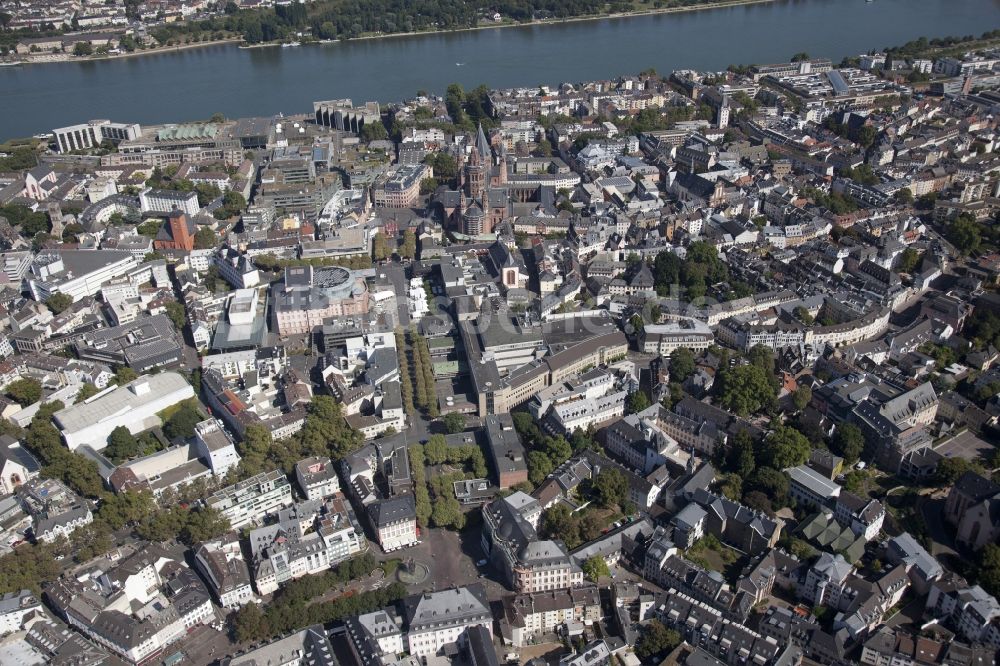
62	58
722	4
48	59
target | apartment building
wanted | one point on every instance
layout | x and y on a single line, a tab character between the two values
250	501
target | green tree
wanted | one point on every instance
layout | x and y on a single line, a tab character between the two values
745	390
849	442
867	135
559	523
543	149
454	423
83	49
802	397
682	364
785	447
428	185
88	390
949	469
803	315
233	203
762	357
327	30
965	233
447	512
409	247
758	501
636	401
909	260
91	541
731	486
25	391
595	567
989	568
58	302
249	624
126	508
325	430
610	487
742	459
124	375
182	422
420	493
374	132
203	524
436	449
557	449
444	165
29	567
854	481
380	247
903	196
539	467
122	445
655	641
175	311
770	481
205	239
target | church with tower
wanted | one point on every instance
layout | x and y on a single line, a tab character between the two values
482	200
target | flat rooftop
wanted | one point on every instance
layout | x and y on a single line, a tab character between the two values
120	401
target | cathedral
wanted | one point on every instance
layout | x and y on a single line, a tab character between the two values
482	200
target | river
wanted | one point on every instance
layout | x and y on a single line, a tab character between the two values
196	83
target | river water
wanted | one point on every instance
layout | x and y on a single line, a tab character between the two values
196	83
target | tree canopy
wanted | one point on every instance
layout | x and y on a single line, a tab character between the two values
610	487
849	442
636	401
965	233
25	391
785	447
181	423
746	390
205	239
454	422
58	302
595	567
682	364
655	641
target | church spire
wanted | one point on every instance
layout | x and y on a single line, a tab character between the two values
483	146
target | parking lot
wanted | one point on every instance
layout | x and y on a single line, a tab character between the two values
965	445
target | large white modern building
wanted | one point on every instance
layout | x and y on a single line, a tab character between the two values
134	406
76	273
165	201
688	333
93	133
